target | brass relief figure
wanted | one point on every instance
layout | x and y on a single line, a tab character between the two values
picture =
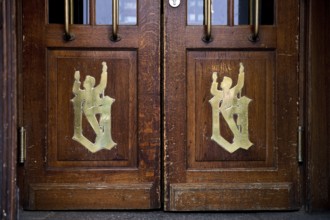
91	101
234	109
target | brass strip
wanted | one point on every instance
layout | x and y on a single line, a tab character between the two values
67	35
255	35
207	20
115	21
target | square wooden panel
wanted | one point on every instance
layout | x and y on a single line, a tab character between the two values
204	153
62	150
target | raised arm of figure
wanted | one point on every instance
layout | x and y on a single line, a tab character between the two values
104	77
214	87
240	81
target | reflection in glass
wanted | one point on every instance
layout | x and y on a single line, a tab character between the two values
243	10
195	10
127	12
219	12
80	11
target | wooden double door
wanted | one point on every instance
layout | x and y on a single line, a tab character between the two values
124	111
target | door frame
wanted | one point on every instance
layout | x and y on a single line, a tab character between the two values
8	108
9	78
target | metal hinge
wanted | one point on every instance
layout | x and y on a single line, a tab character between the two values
300	143
22	144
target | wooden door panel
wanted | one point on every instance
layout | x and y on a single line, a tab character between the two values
201	174
61	173
122	86
258	86
229	196
90	196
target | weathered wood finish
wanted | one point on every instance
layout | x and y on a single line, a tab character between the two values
205	197
318	102
318	139
8	116
198	174
116	196
59	172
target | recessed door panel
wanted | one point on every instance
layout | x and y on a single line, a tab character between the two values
63	150
258	86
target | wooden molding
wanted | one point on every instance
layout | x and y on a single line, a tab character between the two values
64	196
202	197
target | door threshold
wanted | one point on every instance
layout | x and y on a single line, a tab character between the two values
158	214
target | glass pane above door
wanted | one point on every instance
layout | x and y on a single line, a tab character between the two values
80	11
127	12
241	12
244	9
195	9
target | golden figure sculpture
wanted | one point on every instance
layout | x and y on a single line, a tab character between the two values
229	102
91	101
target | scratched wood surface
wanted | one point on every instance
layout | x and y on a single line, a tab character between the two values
198	174
61	174
8	109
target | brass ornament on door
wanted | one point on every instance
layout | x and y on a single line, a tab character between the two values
234	109
90	102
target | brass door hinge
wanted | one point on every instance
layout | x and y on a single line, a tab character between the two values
300	143
22	145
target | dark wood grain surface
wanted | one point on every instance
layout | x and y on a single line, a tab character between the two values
8	109
317	58
318	132
59	172
199	174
